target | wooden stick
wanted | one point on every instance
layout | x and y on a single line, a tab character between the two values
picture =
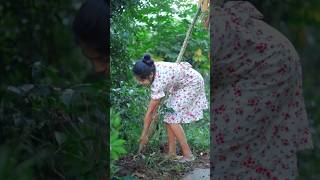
186	39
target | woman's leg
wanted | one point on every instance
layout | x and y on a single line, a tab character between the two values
171	141
179	133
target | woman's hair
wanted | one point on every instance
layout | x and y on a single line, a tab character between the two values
90	25
144	67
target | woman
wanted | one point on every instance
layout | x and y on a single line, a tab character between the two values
186	96
258	114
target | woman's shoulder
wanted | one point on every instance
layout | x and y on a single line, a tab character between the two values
165	64
162	62
164	69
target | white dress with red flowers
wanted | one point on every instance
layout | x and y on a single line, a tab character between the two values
185	89
258	115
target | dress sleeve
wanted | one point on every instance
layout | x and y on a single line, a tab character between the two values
161	83
157	89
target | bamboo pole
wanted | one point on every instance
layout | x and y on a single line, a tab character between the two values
186	39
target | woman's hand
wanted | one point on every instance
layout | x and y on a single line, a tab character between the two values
143	141
149	115
147	121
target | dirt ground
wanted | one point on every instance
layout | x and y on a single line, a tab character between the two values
155	166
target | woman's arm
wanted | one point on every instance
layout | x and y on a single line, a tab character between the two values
153	105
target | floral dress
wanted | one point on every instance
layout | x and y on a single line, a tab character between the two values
258	114
185	89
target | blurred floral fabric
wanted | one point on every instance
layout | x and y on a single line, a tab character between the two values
258	113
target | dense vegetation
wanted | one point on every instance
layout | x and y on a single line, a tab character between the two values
52	114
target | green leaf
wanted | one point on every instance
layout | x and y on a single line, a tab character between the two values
60	137
66	96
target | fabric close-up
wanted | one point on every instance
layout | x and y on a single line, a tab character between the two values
258	116
185	87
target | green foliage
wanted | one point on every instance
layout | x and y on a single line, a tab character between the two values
26	38
116	143
52	124
130	101
198	133
12	168
63	124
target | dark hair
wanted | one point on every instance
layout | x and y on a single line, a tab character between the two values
90	25
144	67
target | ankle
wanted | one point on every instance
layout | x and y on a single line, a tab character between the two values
188	156
171	154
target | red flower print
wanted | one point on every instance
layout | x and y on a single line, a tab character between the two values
234	147
286	116
261	47
222	158
253	102
219	138
249	162
237	129
237	92
239	111
236	45
285	142
231	69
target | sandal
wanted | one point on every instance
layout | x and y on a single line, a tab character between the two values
173	157
184	159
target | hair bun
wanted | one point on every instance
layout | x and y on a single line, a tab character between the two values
147	57
147	60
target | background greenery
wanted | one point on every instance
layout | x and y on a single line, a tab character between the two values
52	118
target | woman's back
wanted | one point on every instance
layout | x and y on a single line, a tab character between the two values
258	111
